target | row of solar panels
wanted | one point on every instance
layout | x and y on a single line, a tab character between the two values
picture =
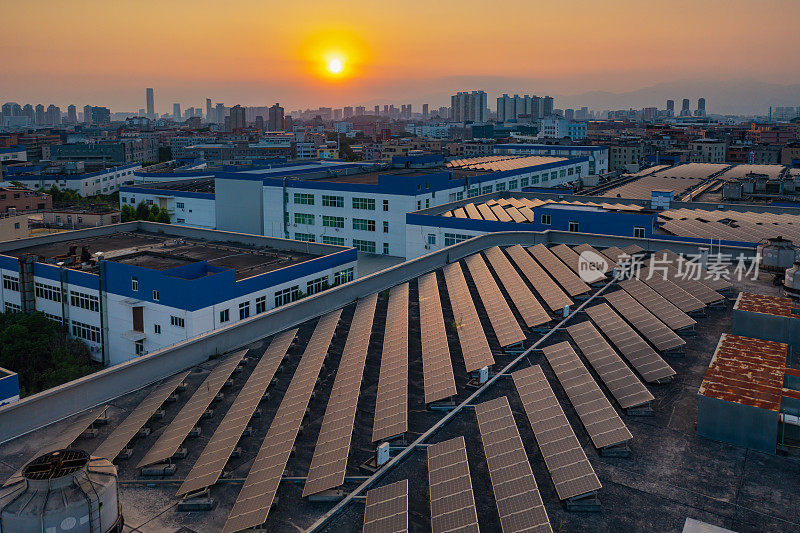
521	209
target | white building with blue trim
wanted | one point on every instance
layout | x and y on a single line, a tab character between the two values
104	181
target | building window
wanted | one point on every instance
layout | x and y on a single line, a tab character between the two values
343	276
139	346
500	187
364	246
177	321
16	224
573	226
363	224
431	239
286	296
472	193
386	205
454	238
419	205
336	241
85	331
10	283
303	199
332	222
487	189
512	184
12	308
244	310
156	295
84	301
157	329
307	237
316	285
179	205
261	304
364	203
386	248
638	232
54	318
303	218
385	226
523	182
47	292
224	315
134	284
546	220
332	201
535	179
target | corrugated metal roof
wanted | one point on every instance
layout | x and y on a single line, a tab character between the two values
769	305
746	371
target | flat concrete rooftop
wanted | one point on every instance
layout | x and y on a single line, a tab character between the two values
372	178
161	252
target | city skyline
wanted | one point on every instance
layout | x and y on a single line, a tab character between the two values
251	60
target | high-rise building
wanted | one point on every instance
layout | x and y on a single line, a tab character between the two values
685	112
40	117
444	112
337	114
176	111
11	109
151	103
670	108
347	112
209	111
28	111
361	111
377	110
238	118
101	115
701	107
219	113
288	124
87	114
72	114
276	118
528	106
53	115
424	111
468	107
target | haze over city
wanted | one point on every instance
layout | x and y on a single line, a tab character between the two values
251	52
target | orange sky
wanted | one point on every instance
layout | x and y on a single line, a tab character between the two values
258	52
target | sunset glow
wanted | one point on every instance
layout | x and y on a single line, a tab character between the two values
335	66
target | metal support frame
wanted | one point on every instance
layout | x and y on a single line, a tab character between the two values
468	402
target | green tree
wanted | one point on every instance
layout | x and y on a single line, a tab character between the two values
142	211
154	212
127	213
163	217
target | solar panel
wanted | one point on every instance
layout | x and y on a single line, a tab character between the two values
515	214
391	402
570	470
526	303
472	212
437	367
503	321
66	438
573	261
209	466
176	432
677	296
614	253
601	421
516	494
450	488
633	249
659	306
501	214
386	510
127	430
486	212
329	462
474	346
623	384
717	284
570	281
255	498
696	287
633	348
555	298
459	213
655	331
610	262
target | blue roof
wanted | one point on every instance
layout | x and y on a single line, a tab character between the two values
72	177
13	149
551	147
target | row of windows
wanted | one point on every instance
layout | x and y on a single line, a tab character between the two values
84	301
338	201
363	224
304	218
10	283
85	331
332	201
329	221
336	241
454	238
332	222
343	276
47	292
12	308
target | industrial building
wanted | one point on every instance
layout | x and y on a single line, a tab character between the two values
104	181
434	378
598	155
133	288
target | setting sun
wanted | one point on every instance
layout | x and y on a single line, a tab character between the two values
335	66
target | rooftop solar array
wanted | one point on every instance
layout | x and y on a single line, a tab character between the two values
573	261
386	510
520	210
611	263
555	298
570	470
504	323
516	494
474	345
708	279
437	367
176	432
652	301
124	433
486	212
744	226
256	495
655	331
633	348
614	253
598	416
391	403
620	380
526	303
209	466
679	179
329	462
570	281
450	488
498	163
676	295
